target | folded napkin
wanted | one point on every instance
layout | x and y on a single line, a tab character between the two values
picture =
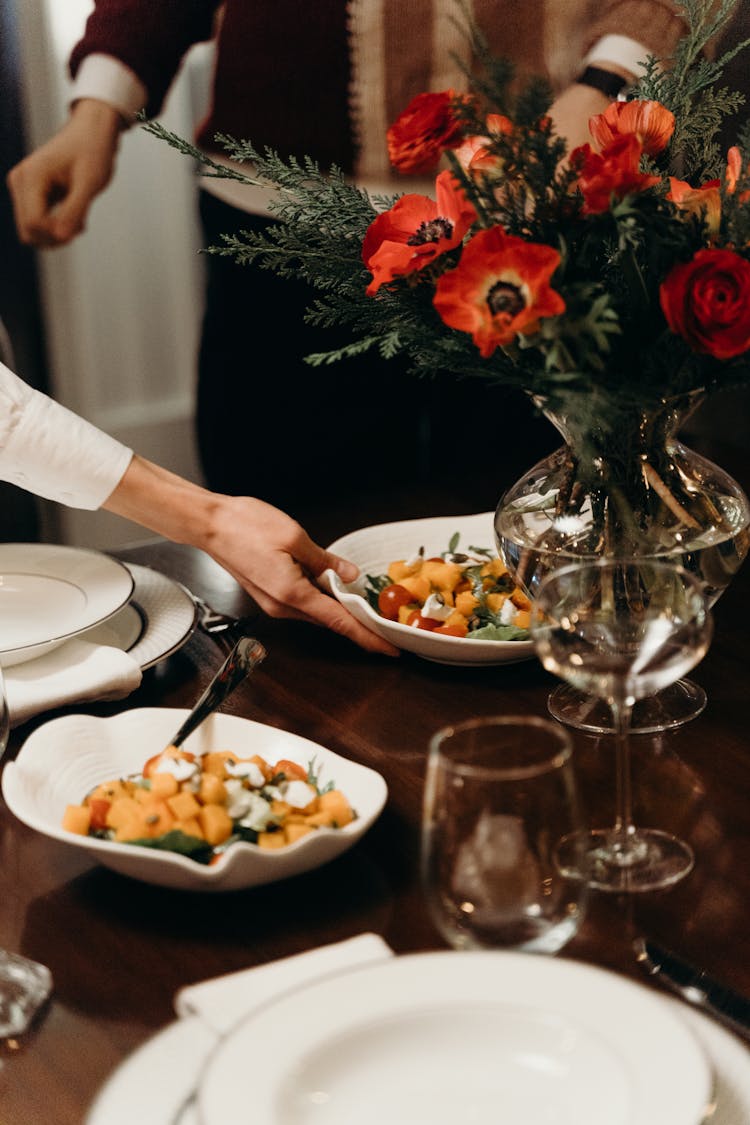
223	1001
75	672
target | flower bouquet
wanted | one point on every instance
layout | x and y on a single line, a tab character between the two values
611	284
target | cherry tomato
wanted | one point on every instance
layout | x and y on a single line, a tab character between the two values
452	630
416	620
99	809
391	599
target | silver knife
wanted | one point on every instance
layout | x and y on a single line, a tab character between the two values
695	986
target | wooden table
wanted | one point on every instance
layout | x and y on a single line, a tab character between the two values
119	950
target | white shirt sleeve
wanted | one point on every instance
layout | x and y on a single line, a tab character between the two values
109	80
620	49
47	449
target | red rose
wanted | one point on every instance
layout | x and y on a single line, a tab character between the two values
707	302
418	136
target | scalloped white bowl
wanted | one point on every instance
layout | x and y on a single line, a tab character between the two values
373	548
65	758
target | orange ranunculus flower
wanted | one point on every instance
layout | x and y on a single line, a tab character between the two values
418	136
705	200
499	289
651	122
473	154
615	171
415	231
707	302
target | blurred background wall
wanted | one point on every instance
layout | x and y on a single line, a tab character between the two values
109	325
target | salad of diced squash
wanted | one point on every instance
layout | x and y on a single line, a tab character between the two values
461	594
199	805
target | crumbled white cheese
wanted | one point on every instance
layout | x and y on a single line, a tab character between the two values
508	612
250	770
298	794
436	609
180	768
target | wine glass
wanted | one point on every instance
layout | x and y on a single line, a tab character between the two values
621	630
500	793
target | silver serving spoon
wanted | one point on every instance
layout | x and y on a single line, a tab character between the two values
245	655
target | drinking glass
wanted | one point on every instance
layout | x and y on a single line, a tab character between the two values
499	795
622	630
24	984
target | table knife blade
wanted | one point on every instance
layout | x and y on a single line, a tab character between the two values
697	987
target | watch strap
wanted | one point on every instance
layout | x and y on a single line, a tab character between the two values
604	80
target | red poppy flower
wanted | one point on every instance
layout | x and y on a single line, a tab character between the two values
499	289
415	231
707	302
651	122
418	136
613	172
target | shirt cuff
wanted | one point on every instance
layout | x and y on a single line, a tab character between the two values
50	451
621	50
108	80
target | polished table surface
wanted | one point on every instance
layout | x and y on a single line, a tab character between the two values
119	950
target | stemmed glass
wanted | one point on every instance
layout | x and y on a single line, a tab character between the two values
621	630
500	794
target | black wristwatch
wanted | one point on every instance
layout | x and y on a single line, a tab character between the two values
603	80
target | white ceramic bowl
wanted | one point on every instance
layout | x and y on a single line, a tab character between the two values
66	757
373	548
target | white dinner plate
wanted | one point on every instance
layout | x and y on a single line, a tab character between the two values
437	1038
372	549
49	593
157	621
168	1064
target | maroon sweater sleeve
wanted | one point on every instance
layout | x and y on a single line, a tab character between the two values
149	36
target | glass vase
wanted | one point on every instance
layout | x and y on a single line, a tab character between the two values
625	486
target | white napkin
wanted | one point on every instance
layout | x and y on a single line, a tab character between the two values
223	1001
75	672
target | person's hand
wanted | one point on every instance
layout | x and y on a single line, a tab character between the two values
275	560
263	548
53	188
571	112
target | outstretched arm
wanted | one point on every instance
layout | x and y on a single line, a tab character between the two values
267	551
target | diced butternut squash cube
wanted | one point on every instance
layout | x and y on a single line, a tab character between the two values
494	567
183	805
213	791
213	762
122	809
77	819
520	599
322	819
280	809
402	569
164	784
335	803
190	827
294	832
495	602
522	620
466	603
404	613
145	796
158	819
109	790
271	840
417	586
216	823
444	576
